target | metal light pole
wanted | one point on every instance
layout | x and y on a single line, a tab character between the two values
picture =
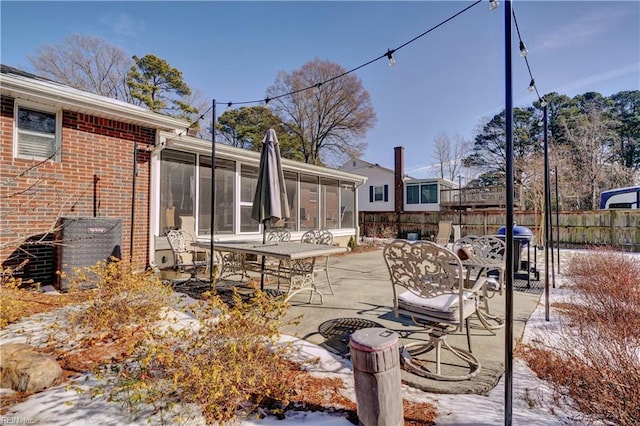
460	202
213	189
557	221
508	335
548	241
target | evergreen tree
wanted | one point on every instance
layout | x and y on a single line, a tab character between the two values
159	86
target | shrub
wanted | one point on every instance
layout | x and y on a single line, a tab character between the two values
594	364
19	299
226	361
353	243
118	300
11	302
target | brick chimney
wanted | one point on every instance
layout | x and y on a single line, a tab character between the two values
398	185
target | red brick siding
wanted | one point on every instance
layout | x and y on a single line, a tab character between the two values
31	203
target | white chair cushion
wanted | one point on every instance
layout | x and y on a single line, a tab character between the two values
444	306
492	284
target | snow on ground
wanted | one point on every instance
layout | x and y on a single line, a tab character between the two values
531	397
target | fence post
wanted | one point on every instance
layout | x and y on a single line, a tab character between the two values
376	371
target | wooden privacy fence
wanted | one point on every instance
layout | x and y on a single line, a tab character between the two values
618	228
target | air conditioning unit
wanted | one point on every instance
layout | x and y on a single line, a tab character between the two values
84	241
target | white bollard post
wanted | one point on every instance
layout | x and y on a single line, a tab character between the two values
376	371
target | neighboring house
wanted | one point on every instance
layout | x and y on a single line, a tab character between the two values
377	195
390	190
67	155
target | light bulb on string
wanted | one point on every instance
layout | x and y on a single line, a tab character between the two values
493	4
532	85
229	105
392	60
523	49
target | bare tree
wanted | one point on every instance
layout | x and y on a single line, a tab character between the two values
450	154
592	143
328	119
200	121
86	63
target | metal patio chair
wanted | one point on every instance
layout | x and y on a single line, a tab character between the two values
320	236
428	288
186	258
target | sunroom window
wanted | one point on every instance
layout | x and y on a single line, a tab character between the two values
37	132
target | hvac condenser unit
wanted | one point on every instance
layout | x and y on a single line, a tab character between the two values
84	241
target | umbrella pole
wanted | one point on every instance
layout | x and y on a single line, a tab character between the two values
264	240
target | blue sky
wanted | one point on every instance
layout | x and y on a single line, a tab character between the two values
449	80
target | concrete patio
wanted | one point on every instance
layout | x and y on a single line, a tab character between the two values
363	298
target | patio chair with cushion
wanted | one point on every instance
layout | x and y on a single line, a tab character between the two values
428	288
186	258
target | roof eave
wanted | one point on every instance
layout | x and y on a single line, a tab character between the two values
203	147
48	94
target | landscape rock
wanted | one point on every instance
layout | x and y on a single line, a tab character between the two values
24	369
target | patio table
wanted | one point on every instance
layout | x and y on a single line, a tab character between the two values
298	257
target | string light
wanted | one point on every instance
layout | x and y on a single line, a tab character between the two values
390	57
524	52
523	49
493	4
229	104
532	85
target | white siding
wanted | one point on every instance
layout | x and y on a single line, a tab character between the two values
377	176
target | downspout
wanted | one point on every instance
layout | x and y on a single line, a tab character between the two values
133	199
356	208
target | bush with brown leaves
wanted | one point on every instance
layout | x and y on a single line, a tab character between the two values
594	364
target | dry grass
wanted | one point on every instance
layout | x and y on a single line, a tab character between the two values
594	365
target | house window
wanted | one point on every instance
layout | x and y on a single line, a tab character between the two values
309	214
426	193
224	199
413	194
378	193
37	132
248	184
177	188
330	203
347	205
429	193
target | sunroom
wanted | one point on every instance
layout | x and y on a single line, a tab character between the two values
319	197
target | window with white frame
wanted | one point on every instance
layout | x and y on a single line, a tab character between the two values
378	193
426	193
429	193
37	132
248	183
413	194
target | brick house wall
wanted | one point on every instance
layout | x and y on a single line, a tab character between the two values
34	195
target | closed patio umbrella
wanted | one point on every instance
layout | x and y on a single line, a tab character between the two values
270	202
